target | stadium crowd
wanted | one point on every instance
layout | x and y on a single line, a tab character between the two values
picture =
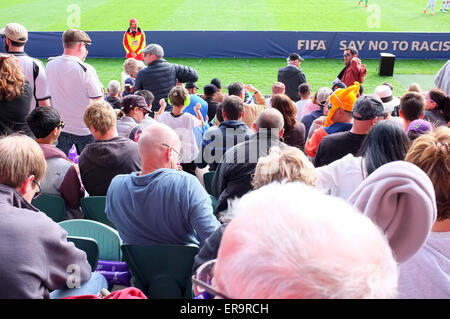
326	193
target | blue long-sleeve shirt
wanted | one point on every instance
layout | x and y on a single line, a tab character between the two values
164	207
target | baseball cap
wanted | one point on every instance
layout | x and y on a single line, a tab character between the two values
133	20
191	85
129	82
155	49
323	94
216	82
419	127
389	101
210	89
15	32
130	101
75	35
295	56
367	107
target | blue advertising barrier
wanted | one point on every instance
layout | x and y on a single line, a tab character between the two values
257	44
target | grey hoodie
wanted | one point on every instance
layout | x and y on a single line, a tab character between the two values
34	250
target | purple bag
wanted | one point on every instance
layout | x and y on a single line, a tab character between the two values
72	155
115	272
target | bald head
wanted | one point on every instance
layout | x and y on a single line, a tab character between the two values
270	119
155	147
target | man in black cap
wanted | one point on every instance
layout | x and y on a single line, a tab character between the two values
292	76
160	76
192	89
210	94
367	111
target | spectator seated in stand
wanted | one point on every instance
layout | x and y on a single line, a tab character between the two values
133	111
339	118
384	92
277	88
62	175
340	253
160	204
388	197
183	124
426	274
417	128
285	165
209	94
251	110
385	143
218	84
234	173
128	87
109	155
36	255
412	107
367	111
114	94
294	131
305	105
230	132
131	68
321	100
437	107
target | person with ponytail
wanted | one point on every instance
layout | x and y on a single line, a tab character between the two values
437	110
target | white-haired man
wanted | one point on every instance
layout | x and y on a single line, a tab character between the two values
114	94
274	248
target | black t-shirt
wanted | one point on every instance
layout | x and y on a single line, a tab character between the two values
337	145
13	113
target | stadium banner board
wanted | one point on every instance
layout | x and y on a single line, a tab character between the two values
257	44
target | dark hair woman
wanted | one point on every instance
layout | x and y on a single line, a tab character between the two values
437	107
294	132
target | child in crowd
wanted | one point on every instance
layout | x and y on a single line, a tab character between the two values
183	124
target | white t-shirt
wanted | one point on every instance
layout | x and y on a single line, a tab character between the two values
183	125
300	105
341	177
73	84
426	275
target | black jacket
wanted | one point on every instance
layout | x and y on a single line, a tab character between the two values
234	173
291	77
161	76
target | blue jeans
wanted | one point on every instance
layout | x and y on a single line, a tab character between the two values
66	140
90	287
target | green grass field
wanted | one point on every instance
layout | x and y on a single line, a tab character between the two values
262	73
303	15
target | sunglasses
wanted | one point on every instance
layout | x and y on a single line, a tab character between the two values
86	45
202	280
346	55
61	124
39	191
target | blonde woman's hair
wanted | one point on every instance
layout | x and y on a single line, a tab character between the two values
431	152
284	165
20	157
12	80
415	87
101	116
132	65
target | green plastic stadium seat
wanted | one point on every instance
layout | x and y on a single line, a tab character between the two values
53	206
89	246
207	180
108	238
161	271
94	209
